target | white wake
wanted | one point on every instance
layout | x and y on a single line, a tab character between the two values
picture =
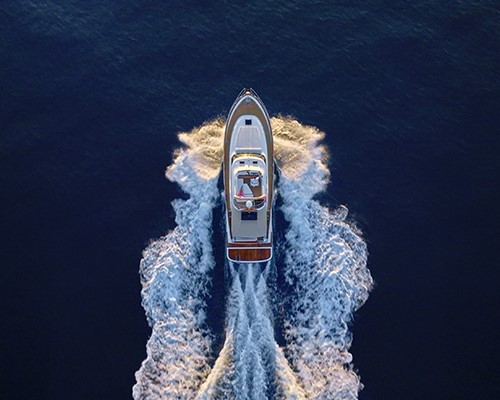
327	280
325	266
251	365
175	276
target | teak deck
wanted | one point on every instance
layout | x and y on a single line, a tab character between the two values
249	252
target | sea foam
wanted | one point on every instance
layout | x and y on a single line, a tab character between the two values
175	276
251	365
325	268
326	281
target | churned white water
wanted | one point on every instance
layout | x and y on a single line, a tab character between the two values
251	365
175	274
325	269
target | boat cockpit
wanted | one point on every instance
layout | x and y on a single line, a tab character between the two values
249	182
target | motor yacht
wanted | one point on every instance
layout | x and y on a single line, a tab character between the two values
248	169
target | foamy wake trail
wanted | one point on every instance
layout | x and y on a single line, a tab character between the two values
251	366
325	266
175	272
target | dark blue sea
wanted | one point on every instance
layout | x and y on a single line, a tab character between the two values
92	97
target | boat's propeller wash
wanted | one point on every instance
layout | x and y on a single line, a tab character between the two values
323	259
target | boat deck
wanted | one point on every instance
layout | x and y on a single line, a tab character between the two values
249	252
260	249
250	109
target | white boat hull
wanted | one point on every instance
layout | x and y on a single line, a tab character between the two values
248	170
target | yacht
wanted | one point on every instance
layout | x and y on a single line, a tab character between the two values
248	170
